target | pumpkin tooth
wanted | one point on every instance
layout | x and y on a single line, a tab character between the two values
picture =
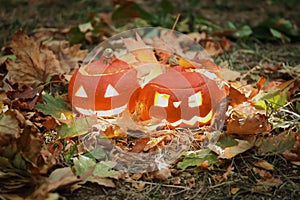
193	120
102	113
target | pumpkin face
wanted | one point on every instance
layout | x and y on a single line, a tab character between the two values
102	89
181	98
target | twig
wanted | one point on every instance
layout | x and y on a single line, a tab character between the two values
176	21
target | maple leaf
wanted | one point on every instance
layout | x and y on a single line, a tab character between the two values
69	57
55	107
34	63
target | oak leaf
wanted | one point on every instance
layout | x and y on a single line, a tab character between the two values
34	63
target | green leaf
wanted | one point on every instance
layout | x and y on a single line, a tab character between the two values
85	27
195	158
127	11
166	7
11	56
298	107
97	153
226	141
276	33
276	144
104	170
79	126
53	106
70	154
243	32
274	99
82	164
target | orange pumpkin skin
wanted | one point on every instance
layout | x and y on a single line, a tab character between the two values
102	89
184	99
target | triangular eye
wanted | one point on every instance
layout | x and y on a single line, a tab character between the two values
161	100
81	92
176	104
110	91
195	100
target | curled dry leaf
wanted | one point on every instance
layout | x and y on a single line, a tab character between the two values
252	124
246	119
264	165
35	63
69	57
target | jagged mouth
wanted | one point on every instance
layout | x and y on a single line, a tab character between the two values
102	113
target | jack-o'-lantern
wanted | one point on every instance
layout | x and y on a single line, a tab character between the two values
182	98
102	88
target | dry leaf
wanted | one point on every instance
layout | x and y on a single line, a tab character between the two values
230	75
60	177
162	174
69	57
293	154
264	165
230	152
252	124
139	49
234	190
35	63
140	145
212	47
246	119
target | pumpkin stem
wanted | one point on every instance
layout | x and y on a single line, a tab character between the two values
108	56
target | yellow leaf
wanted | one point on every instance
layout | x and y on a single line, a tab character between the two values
234	190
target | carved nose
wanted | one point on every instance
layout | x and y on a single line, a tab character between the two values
176	104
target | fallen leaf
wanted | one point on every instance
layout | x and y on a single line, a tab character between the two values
252	124
196	158
140	145
139	185
162	174
82	164
104	169
276	144
294	153
242	146
230	75
191	182
54	106
69	57
139	49
24	97
9	126
76	127
264	165
234	190
211	46
35	63
59	178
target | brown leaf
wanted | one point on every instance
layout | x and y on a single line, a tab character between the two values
24	97
246	119
264	165
230	152
35	63
212	47
293	154
69	57
230	75
239	93
140	145
59	178
162	174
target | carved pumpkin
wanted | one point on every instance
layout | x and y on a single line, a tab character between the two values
182	98
102	89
